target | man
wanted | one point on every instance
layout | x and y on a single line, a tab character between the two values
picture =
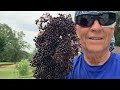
95	30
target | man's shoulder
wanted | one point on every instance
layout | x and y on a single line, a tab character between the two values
77	58
116	56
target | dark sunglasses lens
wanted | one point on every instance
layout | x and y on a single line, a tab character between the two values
84	20
107	19
104	19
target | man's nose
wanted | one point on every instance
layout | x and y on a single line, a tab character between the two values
96	25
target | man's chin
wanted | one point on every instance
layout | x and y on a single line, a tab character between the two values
95	49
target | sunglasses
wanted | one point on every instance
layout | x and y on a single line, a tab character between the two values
87	20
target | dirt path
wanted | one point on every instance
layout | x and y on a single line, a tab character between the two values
7	65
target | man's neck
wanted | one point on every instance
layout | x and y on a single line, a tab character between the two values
96	59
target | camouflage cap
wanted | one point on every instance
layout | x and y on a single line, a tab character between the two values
77	13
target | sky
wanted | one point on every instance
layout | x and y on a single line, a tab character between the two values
25	21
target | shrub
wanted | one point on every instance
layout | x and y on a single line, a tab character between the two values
23	67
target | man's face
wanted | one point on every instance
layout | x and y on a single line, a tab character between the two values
94	38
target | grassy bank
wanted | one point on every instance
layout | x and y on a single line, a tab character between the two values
10	72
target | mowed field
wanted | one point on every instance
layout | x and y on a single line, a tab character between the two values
8	71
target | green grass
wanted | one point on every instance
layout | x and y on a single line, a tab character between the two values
12	73
7	73
6	62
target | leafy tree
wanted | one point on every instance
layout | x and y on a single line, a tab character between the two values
12	44
31	54
2	44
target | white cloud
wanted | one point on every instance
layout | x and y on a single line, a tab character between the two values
25	21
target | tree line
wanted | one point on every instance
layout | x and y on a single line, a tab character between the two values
12	45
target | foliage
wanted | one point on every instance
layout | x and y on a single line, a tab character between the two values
2	44
12	44
23	67
31	54
10	72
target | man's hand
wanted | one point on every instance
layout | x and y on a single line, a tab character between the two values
39	34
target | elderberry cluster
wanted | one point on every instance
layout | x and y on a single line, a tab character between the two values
55	47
